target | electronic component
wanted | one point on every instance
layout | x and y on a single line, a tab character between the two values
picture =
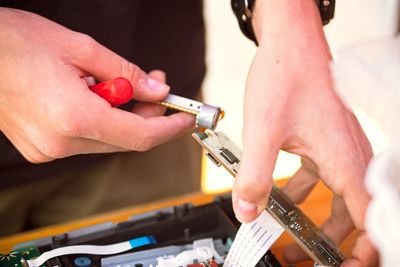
19	257
176	229
90	249
209	263
313	241
207	116
201	250
195	255
119	91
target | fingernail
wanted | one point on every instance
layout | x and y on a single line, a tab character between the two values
153	84
246	205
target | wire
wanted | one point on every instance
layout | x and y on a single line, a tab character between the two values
92	249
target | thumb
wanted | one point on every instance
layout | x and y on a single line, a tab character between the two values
254	180
104	64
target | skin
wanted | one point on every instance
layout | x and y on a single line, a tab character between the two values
47	110
290	104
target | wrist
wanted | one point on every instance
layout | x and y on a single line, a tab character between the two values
272	19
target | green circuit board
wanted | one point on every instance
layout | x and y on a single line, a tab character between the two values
13	259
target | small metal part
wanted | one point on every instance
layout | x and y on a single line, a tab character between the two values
326	2
307	235
216	162
326	248
207	116
229	156
24	262
281	200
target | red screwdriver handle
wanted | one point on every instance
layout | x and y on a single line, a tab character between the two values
117	91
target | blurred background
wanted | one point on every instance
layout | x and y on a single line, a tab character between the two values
229	56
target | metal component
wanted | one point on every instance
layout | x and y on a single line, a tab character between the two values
278	198
326	2
207	116
229	156
216	162
149	257
248	13
325	248
24	262
309	237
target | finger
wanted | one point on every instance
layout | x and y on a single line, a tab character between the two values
147	110
182	121
128	130
73	146
56	147
104	64
52	145
300	185
90	117
158	75
363	253
265	129
339	225
254	180
293	254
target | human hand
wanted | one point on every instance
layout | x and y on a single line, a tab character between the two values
46	108
290	104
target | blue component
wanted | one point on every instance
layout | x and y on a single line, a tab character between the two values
142	241
82	262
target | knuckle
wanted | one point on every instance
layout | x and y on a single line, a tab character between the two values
53	148
34	157
254	187
68	122
86	43
70	126
129	70
145	143
38	158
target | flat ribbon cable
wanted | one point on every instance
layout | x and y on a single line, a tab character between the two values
311	239
90	249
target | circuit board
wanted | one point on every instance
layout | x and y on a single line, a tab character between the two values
17	258
314	242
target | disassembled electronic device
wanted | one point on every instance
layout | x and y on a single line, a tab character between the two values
194	236
207	116
314	242
89	249
199	252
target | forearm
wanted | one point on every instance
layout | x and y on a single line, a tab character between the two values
288	25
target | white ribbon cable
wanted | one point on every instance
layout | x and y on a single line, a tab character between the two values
80	249
92	249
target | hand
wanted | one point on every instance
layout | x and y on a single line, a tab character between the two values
290	104
46	108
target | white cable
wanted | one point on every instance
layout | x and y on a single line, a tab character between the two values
200	254
92	249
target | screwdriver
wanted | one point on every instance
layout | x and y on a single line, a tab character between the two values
119	91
